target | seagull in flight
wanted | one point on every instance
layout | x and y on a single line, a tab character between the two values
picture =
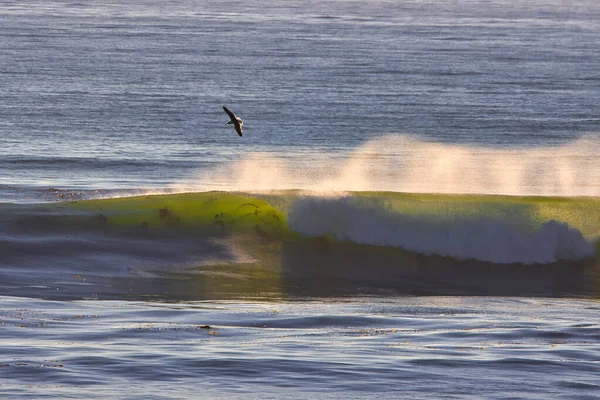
235	120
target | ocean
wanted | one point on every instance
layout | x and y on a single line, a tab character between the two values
413	210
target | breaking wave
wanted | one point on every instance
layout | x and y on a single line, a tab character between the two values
218	245
496	229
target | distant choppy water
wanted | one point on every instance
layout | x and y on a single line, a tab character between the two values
129	94
125	97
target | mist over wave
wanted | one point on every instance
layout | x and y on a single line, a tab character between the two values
482	238
403	163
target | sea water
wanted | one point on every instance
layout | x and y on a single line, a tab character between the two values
413	209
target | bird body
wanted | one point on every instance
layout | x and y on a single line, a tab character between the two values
235	120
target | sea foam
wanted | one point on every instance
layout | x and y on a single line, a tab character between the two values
482	238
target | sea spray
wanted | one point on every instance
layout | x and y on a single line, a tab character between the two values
403	163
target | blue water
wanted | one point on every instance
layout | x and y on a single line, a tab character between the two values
125	97
442	347
126	94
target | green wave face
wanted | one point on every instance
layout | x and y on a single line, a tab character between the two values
267	214
210	212
582	213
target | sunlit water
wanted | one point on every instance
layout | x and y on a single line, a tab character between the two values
444	347
125	97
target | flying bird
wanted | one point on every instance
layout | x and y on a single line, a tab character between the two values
235	120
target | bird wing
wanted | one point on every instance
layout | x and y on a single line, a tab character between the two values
238	127
231	115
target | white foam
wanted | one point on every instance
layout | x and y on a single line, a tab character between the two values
482	239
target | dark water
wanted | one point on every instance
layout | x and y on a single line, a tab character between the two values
125	98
